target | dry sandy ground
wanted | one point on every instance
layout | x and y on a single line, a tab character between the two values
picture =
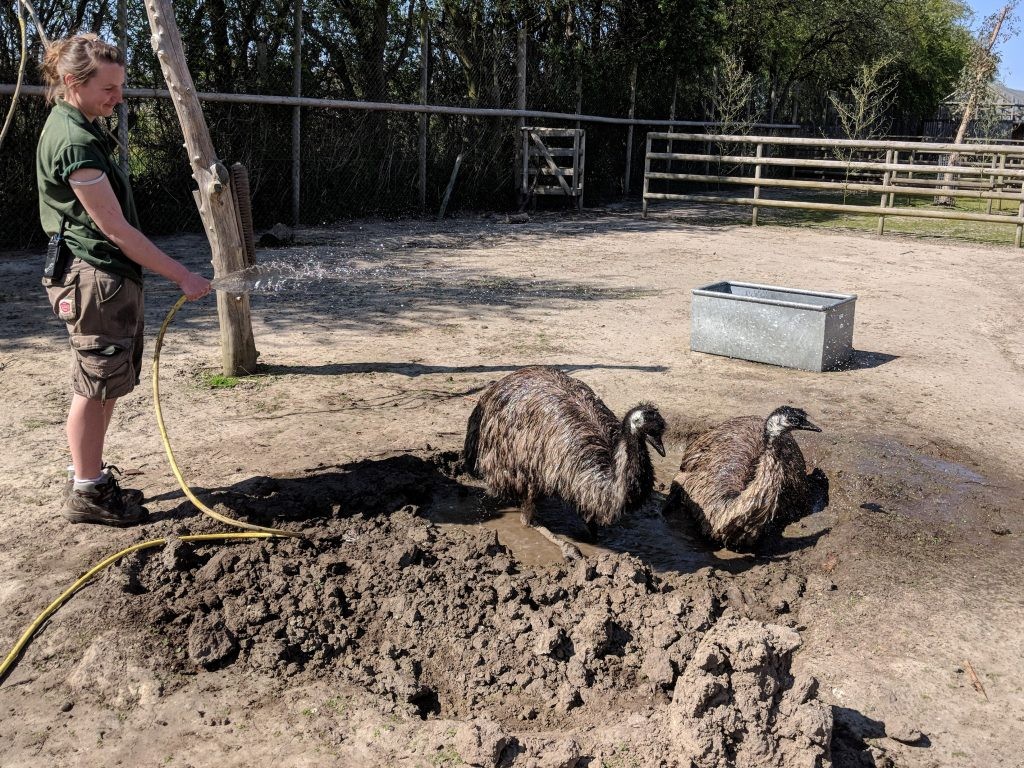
904	591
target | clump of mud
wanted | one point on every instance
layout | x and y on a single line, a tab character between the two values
444	622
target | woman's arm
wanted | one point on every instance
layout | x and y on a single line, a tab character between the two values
93	190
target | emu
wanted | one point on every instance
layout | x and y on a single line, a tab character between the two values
539	432
737	477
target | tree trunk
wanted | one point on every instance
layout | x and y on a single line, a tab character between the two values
213	197
982	71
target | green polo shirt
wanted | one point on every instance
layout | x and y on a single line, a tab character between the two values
69	142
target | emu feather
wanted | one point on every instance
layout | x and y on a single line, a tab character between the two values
736	477
539	432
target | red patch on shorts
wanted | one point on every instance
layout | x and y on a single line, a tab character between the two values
66	309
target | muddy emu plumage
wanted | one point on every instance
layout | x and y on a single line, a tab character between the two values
539	432
736	477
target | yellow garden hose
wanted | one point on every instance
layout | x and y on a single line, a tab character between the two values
52	607
254	531
167	446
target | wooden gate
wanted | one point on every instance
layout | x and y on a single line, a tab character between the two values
553	163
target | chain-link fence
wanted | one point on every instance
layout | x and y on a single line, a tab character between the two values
649	59
457	53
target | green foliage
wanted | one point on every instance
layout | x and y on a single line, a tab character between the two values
218	381
863	112
738	60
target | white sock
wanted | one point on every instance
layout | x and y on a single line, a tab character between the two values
88	483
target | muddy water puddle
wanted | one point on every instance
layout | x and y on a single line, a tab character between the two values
664	544
891	477
878	474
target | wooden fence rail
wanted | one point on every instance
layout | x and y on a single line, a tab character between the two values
989	172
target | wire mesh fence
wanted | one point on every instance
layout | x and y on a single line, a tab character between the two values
353	162
607	59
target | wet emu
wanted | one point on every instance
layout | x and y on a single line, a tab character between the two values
737	477
539	432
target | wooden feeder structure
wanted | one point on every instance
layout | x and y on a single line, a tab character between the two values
553	163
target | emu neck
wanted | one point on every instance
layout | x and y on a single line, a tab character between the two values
762	491
631	468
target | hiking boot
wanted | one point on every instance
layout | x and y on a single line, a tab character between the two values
131	495
102	502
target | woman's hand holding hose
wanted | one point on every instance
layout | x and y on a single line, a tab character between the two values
194	286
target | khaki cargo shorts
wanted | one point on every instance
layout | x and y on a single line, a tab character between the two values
104	316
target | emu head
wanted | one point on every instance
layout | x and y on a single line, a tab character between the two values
644	420
784	419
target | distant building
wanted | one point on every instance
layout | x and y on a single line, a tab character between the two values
1001	116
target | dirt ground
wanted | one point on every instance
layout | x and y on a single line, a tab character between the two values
418	624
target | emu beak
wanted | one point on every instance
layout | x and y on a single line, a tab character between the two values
810	427
655	442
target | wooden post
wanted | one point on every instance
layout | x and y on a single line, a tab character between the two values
424	83
997	181
647	170
521	146
450	187
1020	219
671	128
893	176
213	196
524	168
297	114
757	187
629	131
583	162
122	108
576	168
579	98
885	196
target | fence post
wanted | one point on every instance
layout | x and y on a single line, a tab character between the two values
1020	218
521	149
893	177
757	187
579	98
998	180
885	196
213	194
629	131
424	84
647	170
122	108
671	128
296	114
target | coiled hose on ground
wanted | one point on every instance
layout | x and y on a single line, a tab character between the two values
252	531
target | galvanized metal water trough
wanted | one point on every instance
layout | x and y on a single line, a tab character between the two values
809	330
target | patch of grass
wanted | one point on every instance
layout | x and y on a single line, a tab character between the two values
337	705
218	380
621	758
974	231
447	756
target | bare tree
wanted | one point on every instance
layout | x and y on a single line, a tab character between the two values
731	104
977	75
731	97
864	113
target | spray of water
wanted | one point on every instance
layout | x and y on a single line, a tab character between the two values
277	276
366	271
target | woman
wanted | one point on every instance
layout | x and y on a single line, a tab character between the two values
85	199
